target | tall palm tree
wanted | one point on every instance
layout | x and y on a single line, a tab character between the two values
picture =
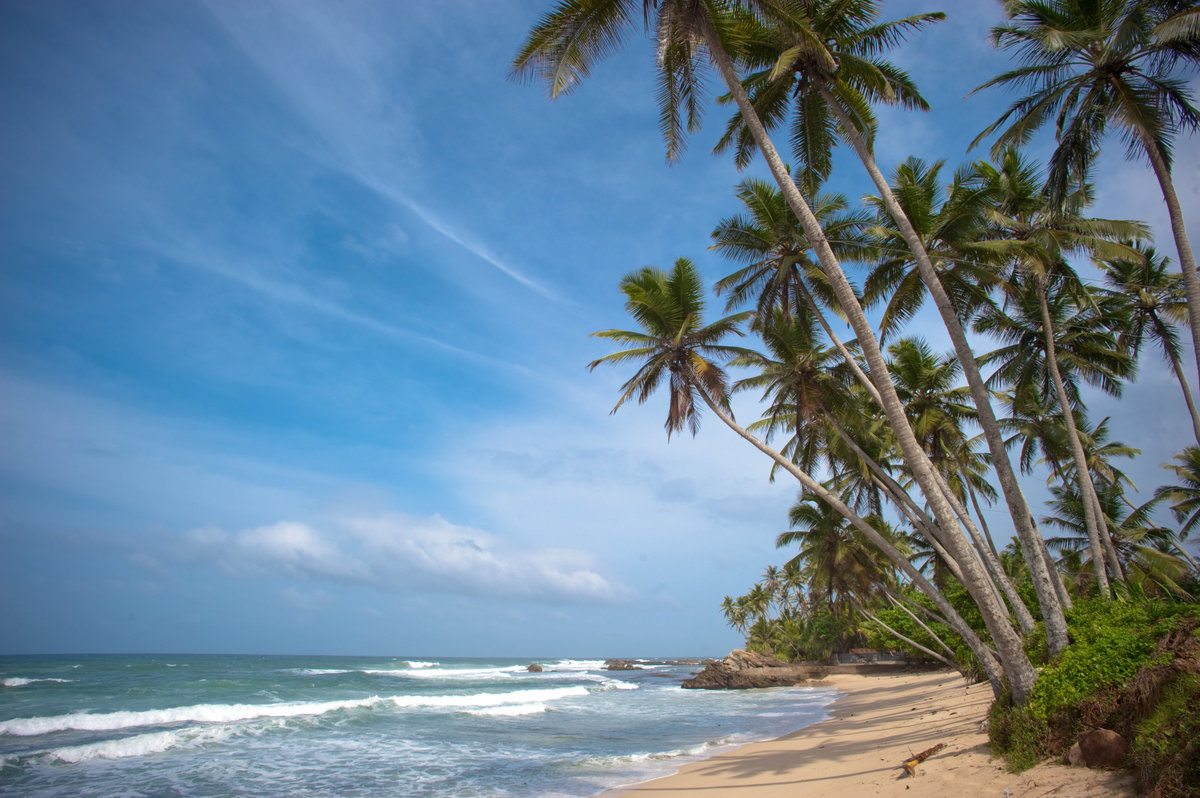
675	346
937	410
828	56
1153	299
1048	343
1090	63
1032	238
561	49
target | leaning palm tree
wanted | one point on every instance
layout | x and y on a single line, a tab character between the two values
1090	63
561	49
1153	300
675	347
824	62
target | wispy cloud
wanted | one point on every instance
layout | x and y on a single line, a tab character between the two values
336	77
403	554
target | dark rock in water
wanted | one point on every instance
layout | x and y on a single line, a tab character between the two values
535	668
1099	748
620	665
743	670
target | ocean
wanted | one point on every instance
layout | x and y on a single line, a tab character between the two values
190	725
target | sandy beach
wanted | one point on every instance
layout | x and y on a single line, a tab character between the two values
879	723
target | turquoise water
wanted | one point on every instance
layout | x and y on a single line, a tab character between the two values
360	726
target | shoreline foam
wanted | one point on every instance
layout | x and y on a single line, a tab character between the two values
877	723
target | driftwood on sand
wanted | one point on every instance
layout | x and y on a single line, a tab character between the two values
910	766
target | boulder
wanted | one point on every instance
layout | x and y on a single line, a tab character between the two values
535	668
743	670
1099	748
620	665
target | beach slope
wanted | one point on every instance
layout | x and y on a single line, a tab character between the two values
877	724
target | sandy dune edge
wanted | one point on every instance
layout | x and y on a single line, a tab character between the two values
877	724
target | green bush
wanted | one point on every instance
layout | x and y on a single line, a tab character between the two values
1112	644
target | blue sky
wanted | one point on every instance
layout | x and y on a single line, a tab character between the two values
294	325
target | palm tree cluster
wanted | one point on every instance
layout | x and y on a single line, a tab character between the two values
878	429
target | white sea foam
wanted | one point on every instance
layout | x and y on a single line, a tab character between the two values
452	673
140	744
420	664
227	713
20	681
200	713
510	711
486	700
577	664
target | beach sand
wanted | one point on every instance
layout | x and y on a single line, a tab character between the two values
879	723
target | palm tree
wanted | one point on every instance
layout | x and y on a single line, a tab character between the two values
1047	344
799	381
779	271
1031	239
947	220
839	564
674	345
827	55
1146	550
1153	300
561	49
1089	63
937	411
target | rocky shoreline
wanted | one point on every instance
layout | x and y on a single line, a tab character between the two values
746	670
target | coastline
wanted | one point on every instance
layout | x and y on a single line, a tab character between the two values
877	723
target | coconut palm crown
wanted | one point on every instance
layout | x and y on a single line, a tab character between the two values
674	344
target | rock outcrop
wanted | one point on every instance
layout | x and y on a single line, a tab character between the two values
743	670
621	665
1099	748
535	668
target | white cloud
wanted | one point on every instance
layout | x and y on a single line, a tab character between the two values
398	553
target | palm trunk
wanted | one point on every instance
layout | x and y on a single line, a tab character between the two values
1018	508
912	643
992	667
983	525
992	563
841	348
1110	550
1060	585
1017	667
1187	261
900	604
1086	489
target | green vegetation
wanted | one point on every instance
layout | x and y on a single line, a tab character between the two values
1134	667
897	449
